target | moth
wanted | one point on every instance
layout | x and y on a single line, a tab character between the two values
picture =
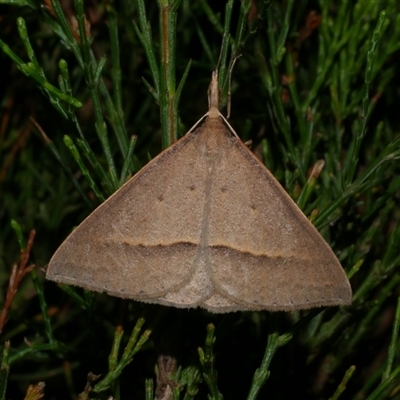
204	224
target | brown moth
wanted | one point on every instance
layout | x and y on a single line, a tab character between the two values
204	224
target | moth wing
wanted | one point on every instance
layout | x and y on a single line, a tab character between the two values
263	251
142	242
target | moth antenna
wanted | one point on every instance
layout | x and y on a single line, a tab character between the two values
228	106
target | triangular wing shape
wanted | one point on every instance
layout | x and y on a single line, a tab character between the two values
143	241
263	253
204	224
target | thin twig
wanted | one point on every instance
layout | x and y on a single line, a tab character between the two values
17	273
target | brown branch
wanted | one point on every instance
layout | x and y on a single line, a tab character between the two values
35	392
17	273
